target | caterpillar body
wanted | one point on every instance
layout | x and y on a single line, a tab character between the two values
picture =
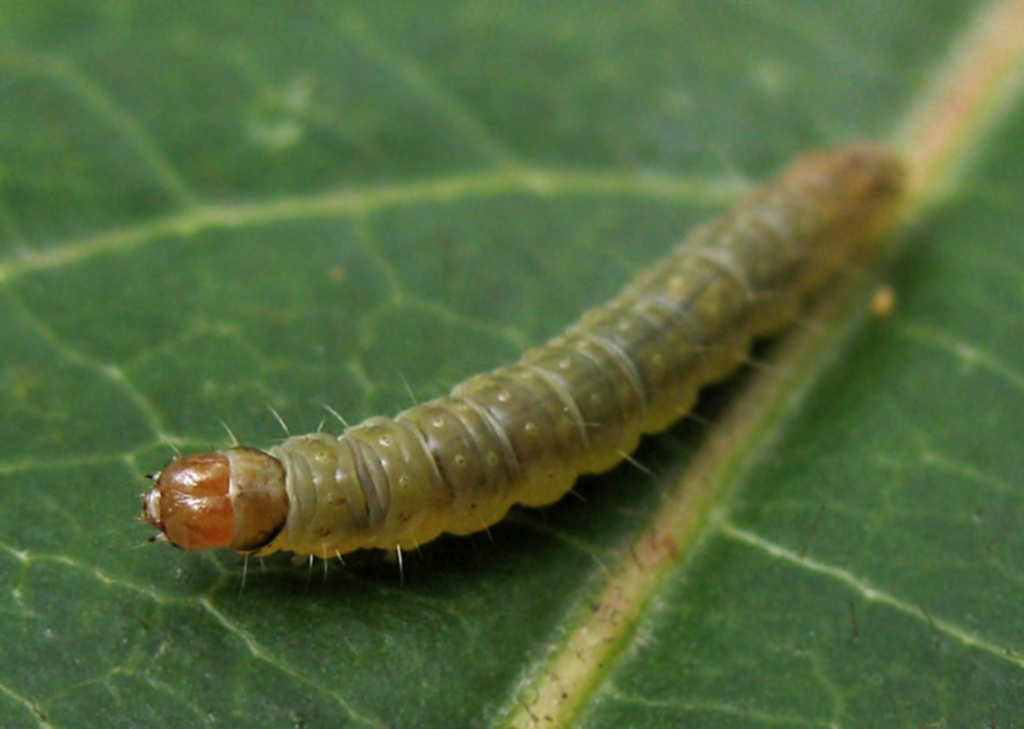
578	404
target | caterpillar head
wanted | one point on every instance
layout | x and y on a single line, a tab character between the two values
235	499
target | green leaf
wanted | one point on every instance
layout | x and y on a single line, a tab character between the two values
211	209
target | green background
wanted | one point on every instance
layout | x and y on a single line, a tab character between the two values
207	209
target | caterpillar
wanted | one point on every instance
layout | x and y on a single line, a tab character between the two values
575	405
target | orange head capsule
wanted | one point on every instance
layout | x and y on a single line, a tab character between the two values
235	499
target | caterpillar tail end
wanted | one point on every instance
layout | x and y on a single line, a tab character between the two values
874	187
234	499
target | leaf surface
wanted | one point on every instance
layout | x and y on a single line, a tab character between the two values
212	209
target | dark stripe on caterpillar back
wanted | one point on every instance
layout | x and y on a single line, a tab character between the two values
575	405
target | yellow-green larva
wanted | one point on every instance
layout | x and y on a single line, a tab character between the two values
575	405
